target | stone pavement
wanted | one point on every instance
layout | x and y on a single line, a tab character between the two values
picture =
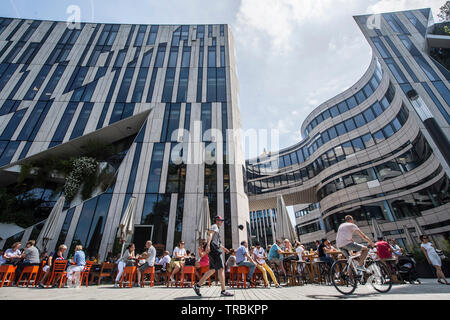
428	290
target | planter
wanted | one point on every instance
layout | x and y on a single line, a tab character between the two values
427	271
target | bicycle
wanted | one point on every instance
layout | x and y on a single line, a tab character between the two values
345	276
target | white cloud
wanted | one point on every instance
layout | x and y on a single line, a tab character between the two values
400	5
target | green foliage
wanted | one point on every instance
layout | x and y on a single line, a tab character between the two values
18	210
419	256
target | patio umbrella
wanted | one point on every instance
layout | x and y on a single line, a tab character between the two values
126	225
409	239
49	231
284	228
376	229
204	221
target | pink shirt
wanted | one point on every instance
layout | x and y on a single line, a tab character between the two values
344	234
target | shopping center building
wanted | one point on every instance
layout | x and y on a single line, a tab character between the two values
153	112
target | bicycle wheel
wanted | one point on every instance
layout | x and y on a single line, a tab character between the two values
343	278
380	276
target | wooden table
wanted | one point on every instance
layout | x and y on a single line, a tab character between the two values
310	265
335	255
293	265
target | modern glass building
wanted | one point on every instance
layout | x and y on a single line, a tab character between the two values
105	112
140	110
379	150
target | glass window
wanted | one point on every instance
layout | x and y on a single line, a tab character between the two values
388	131
396	124
173	57
152	35
155	168
339	153
342	107
350	124
358	144
211	88
326	114
319	118
325	136
211	56
348	148
300	156
378	136
341	129
359	120
384	103
334	111
360	97
332	133
160	55
168	85
368	140
376	107
331	157
381	47
443	91
396	71
351	102
368	114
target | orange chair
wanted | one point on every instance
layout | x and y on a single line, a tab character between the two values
151	272
242	273
40	273
257	274
29	271
204	270
59	269
85	272
233	273
106	270
188	271
177	279
128	275
7	273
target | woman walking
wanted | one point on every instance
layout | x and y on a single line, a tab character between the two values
433	258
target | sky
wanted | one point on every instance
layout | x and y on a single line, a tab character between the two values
292	55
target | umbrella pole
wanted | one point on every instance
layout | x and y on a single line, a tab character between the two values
121	252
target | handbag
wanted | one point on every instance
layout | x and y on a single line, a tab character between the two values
440	254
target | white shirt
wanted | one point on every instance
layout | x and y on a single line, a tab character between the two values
179	252
300	251
259	255
345	234
164	261
9	253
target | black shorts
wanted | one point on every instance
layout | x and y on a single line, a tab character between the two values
215	261
143	267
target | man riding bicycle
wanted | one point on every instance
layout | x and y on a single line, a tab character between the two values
344	241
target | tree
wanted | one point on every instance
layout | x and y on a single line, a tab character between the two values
444	13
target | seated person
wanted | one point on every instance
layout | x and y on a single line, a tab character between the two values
323	250
190	259
231	261
179	253
147	259
79	261
30	257
48	268
162	265
260	256
244	259
276	257
2	260
13	254
384	250
397	251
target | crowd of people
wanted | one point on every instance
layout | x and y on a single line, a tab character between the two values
271	262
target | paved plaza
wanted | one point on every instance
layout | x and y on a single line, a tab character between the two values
428	290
